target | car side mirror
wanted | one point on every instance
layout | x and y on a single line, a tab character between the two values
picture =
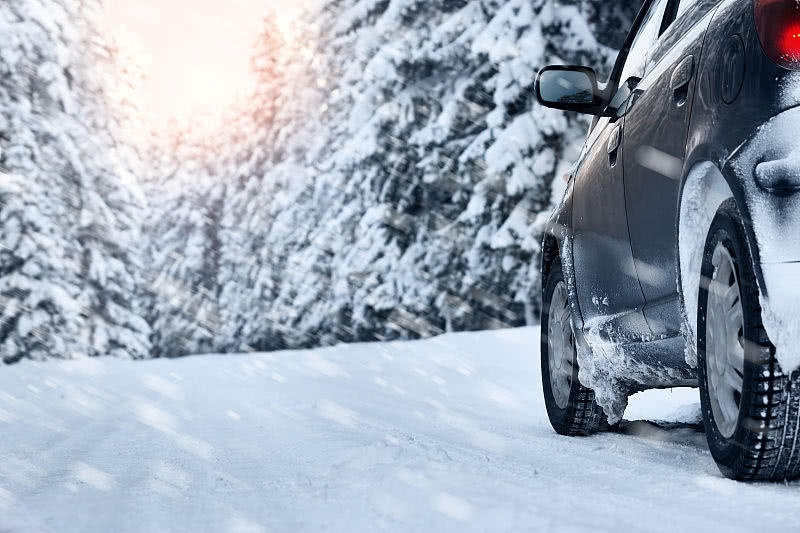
570	88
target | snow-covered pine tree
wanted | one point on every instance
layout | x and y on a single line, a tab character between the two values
403	196
445	164
183	250
71	269
268	169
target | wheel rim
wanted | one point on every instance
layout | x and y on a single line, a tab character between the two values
561	346
725	342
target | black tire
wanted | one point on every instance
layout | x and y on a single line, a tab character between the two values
582	416
764	444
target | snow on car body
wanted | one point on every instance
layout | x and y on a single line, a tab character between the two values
678	238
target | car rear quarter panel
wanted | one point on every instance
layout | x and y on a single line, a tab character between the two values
722	132
736	136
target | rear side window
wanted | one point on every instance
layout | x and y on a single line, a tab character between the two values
644	41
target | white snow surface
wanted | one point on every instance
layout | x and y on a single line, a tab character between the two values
448	434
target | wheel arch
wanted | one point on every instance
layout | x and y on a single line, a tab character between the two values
557	246
704	190
550	253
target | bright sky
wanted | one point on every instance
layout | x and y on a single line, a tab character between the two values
196	52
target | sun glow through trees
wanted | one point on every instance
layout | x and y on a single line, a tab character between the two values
195	55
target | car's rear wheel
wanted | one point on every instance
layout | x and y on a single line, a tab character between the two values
750	407
571	407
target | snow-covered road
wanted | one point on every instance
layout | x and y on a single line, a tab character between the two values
446	434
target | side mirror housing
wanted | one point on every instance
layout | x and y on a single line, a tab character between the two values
570	88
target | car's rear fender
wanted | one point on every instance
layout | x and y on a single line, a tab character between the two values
767	170
762	177
739	147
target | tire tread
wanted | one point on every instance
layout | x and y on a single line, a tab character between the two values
768	448
582	416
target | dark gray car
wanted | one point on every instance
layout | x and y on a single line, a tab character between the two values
674	257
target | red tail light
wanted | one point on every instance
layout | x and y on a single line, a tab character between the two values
778	25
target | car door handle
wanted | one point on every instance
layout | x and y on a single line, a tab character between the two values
681	80
613	146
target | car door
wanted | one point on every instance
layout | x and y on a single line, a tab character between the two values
604	270
608	290
656	128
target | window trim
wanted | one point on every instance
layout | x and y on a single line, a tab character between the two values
613	83
669	17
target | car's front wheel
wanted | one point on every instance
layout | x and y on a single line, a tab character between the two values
571	407
750	407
